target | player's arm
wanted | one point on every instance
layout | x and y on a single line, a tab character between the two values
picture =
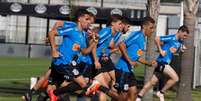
143	61
92	43
183	48
124	52
158	44
114	50
96	59
87	50
51	35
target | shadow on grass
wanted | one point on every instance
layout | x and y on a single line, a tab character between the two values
13	88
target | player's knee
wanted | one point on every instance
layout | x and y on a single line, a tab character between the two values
176	79
153	83
134	91
83	84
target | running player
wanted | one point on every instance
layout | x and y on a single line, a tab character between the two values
64	66
167	45
108	37
43	80
134	45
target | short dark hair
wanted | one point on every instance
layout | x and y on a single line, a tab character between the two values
126	20
184	28
114	18
82	12
147	20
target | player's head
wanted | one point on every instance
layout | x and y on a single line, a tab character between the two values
84	18
115	21
125	25
148	25
182	32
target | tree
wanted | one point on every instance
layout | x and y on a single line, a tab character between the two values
153	11
187	61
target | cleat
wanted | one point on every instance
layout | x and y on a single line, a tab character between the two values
27	96
160	96
93	88
138	99
52	96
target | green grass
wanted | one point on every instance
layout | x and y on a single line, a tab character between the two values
22	67
15	73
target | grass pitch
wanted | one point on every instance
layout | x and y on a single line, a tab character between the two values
15	73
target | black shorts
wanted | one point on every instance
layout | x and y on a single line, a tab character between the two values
159	69
106	65
59	73
124	80
87	70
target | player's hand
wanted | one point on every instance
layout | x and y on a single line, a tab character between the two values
95	38
163	53
58	23
55	53
154	63
133	63
94	35
136	65
183	48
97	64
114	86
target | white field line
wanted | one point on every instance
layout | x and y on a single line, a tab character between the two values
23	64
15	79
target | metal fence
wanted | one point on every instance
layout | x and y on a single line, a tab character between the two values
22	50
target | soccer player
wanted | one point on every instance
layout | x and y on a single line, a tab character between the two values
108	38
167	45
63	65
134	45
43	80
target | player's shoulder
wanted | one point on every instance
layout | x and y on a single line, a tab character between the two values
105	30
69	24
171	35
136	33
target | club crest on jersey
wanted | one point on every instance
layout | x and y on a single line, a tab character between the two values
139	52
173	49
76	47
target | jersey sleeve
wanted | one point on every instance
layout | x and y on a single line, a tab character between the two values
104	34
131	38
69	24
167	38
178	46
62	31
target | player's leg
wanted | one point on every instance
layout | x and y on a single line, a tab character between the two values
112	76
56	78
147	87
132	93
42	83
42	80
173	77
